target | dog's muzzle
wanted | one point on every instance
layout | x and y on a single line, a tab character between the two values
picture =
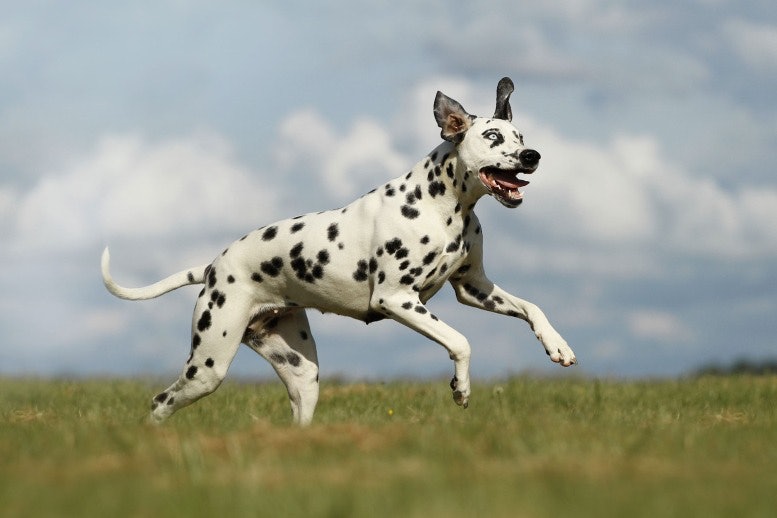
504	184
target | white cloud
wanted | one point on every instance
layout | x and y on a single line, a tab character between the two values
493	41
130	188
599	193
345	165
7	206
659	325
756	43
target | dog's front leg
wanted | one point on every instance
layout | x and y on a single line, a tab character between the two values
412	313
475	289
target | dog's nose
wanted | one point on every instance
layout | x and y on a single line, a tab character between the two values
529	157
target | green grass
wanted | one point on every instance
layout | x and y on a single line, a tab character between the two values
525	447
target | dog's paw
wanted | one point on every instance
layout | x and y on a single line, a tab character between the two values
460	392
558	350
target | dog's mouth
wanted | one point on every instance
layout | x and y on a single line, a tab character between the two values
504	184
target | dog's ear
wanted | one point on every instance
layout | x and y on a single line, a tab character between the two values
503	91
452	118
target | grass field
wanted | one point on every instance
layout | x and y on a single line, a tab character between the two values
525	447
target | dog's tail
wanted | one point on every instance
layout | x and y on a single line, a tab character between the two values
194	275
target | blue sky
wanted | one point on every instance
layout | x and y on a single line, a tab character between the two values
167	129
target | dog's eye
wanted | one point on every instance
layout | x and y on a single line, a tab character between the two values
494	136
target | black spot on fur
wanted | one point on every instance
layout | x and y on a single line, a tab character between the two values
190	276
407	279
190	372
269	233
278	358
230	279
204	322
196	340
209	362
211	277
303	335
218	298
454	245
360	274
425	240
161	398
306	269
407	305
436	188
428	258
409	212
393	245
464	269
473	291
420	309
299	266
381	277
272	267
332	232
256	277
296	227
294	359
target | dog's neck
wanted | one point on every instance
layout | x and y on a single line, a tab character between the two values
447	181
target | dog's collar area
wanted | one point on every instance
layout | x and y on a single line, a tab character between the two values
504	184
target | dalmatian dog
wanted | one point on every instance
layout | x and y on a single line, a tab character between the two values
382	256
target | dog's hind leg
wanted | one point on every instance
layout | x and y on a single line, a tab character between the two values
216	336
284	339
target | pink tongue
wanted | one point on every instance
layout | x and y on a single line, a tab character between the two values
510	182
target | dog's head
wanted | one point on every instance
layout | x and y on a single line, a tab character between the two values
492	148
